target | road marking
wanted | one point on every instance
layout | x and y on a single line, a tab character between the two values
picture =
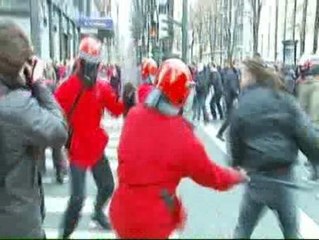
308	228
54	233
58	205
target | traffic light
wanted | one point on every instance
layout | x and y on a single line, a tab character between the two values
163	26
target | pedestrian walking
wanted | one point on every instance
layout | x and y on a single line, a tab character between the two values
231	87
266	132
84	97
145	204
202	89
30	120
217	84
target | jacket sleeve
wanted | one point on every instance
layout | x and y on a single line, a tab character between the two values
235	143
205	172
111	102
39	119
306	135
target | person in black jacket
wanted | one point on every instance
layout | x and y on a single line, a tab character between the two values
216	81
267	130
231	90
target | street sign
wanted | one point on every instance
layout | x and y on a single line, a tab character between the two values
97	23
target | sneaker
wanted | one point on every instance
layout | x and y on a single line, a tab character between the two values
101	221
220	137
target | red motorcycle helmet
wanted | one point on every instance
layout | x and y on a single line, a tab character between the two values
90	49
89	60
148	68
174	79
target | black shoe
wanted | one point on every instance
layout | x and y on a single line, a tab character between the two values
101	220
220	137
60	178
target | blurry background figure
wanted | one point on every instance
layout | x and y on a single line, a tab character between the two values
308	93
230	76
115	79
202	89
217	85
59	156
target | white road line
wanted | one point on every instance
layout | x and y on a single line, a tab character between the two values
53	234
308	228
57	205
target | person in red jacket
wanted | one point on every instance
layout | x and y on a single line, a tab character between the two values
148	72
84	98
145	204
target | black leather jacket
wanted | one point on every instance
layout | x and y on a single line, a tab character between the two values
267	130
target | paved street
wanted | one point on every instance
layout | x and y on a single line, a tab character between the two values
57	196
210	214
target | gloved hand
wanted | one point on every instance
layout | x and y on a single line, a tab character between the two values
129	97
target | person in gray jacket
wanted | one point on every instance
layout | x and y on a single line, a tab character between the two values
266	132
30	119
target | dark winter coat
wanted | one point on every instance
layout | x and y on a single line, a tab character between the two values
26	124
231	83
216	81
268	129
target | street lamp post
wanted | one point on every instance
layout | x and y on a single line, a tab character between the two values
185	31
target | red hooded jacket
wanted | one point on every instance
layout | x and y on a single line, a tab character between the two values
155	153
89	139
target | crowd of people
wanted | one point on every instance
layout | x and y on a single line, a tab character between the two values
158	146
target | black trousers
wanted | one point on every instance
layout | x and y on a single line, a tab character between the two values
58	157
280	199
215	103
224	125
229	108
105	184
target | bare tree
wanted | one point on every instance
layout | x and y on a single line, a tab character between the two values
137	21
276	30
294	21
316	30
198	21
303	26
256	7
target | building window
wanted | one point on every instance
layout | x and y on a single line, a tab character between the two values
14	5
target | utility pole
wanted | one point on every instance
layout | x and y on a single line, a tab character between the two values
285	23
294	21
35	26
276	30
185	31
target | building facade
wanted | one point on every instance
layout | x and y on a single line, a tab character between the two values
50	24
